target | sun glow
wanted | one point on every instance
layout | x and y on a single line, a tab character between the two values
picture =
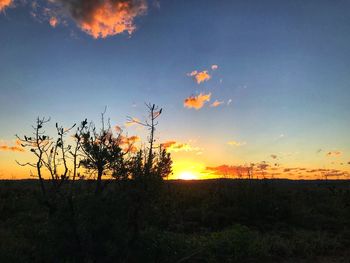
187	176
188	170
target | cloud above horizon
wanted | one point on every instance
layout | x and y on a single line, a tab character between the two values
5	4
15	148
127	143
173	146
53	21
273	156
235	143
99	19
197	102
200	76
216	103
334	154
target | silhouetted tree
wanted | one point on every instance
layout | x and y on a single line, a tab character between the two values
147	163
263	168
39	145
50	154
101	151
147	168
250	171
103	154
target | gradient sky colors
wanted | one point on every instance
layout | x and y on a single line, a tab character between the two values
240	81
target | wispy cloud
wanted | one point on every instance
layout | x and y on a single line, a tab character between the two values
334	154
216	103
274	156
192	73
173	146
12	148
197	102
235	143
293	169
128	143
4	4
129	140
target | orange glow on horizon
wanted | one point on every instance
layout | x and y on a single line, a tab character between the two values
190	170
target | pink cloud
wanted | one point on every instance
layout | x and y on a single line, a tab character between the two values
53	21
216	103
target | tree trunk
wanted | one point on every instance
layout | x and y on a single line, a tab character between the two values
99	179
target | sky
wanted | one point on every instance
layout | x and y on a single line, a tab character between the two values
240	82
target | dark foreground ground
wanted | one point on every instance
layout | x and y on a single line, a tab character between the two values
181	221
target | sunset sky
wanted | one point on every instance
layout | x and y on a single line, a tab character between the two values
239	82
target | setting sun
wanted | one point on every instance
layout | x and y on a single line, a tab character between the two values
187	176
188	170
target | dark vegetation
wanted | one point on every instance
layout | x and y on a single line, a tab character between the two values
181	221
121	209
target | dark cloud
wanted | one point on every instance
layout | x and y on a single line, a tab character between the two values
334	154
273	156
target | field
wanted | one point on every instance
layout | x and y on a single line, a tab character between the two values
179	221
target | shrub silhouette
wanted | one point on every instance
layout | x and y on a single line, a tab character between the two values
79	220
